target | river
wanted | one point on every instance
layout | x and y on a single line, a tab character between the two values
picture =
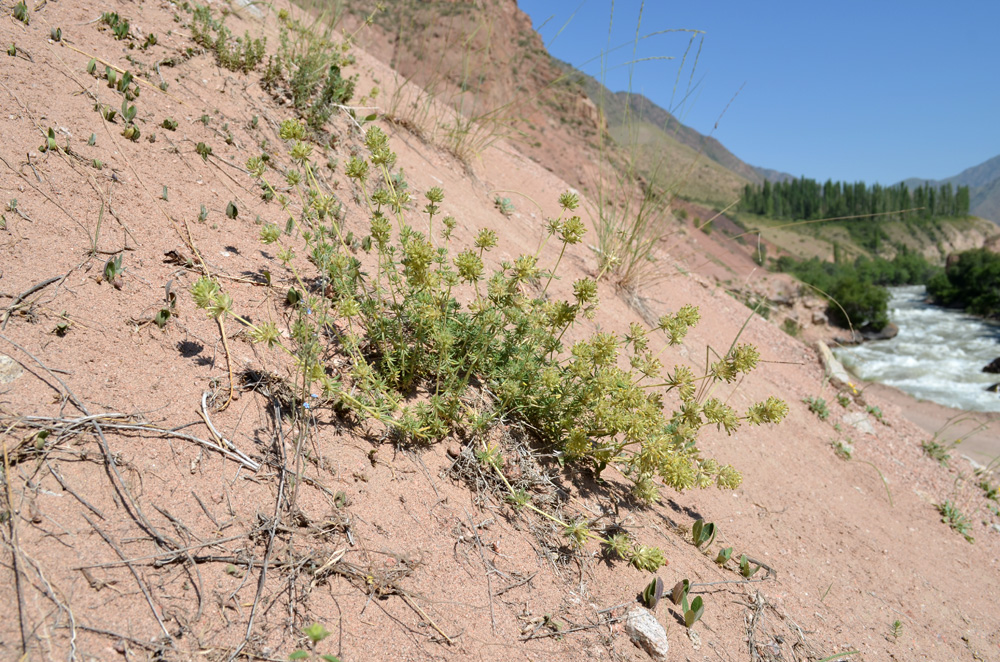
938	355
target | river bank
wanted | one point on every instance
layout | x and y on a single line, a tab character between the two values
982	446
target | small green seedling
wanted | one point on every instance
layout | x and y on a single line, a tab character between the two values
843	400
652	593
503	205
92	66
98	164
679	596
843	449
109	113
128	112
703	533
692	615
113	271
56	34
161	317
316	633
724	556
92	140
203	214
112	77
745	567
877	413
203	151
131	132
896	629
12	50
21	12
953	517
818	406
231	210
164	195
169	124
50	142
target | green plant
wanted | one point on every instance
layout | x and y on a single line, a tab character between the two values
113	271
315	633
119	26
203	151
953	517
818	406
169	124
990	491
12	50
679	596
239	54
703	533
55	34
21	12
724	555
843	400
747	567
405	330
652	593
791	327
843	449
939	452
308	66
503	205
896	629
50	142
231	210
877	413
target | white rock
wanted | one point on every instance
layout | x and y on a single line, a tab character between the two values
859	421
647	632
9	369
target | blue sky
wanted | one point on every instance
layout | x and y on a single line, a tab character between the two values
877	90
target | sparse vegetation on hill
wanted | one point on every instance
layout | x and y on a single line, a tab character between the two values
284	377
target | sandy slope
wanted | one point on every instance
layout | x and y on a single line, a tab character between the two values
427	566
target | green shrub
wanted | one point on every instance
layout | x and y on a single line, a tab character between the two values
854	303
818	406
308	66
971	282
404	332
240	54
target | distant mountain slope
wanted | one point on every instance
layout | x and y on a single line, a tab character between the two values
667	152
645	109
773	176
486	61
983	181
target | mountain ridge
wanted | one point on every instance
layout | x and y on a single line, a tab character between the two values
983	180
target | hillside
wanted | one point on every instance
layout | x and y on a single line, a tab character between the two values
297	363
984	181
